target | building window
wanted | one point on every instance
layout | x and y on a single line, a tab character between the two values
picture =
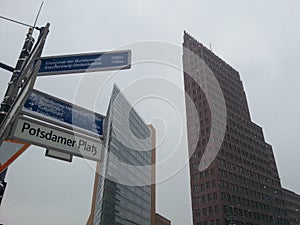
215	196
209	197
206	173
207	185
213	183
216	209
202	187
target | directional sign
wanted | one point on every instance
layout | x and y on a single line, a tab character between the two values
88	62
42	106
9	151
52	137
18	104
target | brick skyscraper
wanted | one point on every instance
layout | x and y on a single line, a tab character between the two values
237	181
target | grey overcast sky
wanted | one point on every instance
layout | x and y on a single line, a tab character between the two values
258	38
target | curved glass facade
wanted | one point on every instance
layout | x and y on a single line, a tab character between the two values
123	195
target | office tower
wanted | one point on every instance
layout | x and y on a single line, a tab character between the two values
292	202
124	189
233	173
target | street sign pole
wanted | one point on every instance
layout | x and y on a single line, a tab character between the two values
16	108
11	90
21	76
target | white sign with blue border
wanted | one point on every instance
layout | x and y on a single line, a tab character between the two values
83	63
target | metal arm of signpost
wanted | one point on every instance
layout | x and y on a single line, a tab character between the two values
6	67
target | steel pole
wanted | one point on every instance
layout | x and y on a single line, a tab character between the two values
13	86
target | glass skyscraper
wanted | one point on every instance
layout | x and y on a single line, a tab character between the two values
124	191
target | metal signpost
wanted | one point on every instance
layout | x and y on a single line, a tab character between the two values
20	85
34	117
52	137
88	62
54	110
25	80
9	120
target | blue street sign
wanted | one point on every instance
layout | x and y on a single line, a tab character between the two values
82	63
47	107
